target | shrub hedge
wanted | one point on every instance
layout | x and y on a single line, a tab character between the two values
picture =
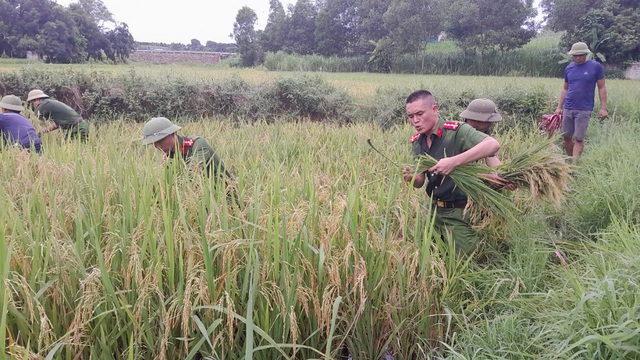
101	97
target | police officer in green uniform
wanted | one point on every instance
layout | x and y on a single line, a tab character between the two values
194	150
62	115
453	144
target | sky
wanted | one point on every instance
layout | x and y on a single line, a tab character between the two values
179	21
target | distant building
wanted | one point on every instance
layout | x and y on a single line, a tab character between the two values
31	55
633	71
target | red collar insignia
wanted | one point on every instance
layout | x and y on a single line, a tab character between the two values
439	132
414	138
186	143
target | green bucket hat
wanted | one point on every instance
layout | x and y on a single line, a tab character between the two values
579	48
157	129
483	110
11	102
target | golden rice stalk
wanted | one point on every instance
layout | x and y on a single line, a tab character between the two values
541	170
468	178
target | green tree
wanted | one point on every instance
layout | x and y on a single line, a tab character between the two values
21	23
122	43
370	24
8	38
302	28
59	34
195	45
61	42
382	56
409	24
491	24
97	43
48	29
335	27
246	36
98	12
610	27
565	15
275	32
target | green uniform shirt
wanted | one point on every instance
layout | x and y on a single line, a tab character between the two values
446	143
60	113
196	151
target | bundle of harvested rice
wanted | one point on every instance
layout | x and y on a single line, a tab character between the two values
469	178
540	169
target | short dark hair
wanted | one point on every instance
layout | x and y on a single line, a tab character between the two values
420	94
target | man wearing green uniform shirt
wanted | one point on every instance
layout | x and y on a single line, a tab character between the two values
453	144
195	151
62	115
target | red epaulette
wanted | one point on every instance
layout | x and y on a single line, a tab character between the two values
414	138
187	142
451	125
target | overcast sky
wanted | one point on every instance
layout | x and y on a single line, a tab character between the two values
180	21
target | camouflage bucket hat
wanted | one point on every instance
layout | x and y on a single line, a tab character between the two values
483	110
11	102
579	48
157	129
36	94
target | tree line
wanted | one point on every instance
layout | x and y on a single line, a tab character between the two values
83	31
386	29
383	30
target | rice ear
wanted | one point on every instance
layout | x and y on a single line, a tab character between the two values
538	169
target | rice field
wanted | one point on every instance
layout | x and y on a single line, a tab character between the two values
109	252
361	86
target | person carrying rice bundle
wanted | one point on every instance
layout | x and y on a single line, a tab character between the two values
451	144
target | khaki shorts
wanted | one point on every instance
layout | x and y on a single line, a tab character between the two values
575	123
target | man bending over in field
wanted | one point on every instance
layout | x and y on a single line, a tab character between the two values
15	128
194	150
62	115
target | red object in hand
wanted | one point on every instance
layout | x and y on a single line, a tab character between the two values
549	123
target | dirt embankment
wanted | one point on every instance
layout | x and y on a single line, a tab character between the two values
164	57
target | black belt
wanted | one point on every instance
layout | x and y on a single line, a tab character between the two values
459	204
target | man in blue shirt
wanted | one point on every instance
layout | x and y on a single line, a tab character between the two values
576	99
15	128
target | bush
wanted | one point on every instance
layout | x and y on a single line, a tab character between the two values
102	98
312	97
538	58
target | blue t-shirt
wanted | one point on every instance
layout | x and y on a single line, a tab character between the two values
582	81
16	129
